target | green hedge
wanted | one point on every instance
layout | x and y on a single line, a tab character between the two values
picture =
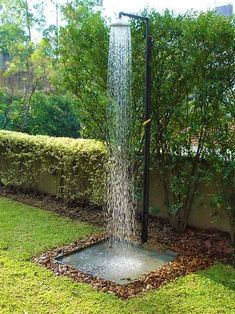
78	165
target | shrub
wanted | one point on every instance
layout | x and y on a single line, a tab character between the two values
26	160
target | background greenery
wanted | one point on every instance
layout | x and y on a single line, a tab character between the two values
59	87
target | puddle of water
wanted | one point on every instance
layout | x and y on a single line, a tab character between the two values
121	264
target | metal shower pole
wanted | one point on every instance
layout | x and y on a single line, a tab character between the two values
147	120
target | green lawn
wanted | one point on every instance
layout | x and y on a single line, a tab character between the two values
28	288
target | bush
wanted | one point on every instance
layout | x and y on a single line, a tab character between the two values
27	160
53	115
192	101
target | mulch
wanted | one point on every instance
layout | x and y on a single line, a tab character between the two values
196	249
85	213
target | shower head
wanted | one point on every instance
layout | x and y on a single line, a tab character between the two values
120	22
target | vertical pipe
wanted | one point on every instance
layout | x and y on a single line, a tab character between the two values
147	125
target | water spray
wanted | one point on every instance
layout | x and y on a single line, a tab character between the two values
146	123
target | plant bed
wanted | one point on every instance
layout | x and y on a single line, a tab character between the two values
194	251
85	213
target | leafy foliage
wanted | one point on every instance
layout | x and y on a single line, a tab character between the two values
76	163
193	70
84	59
53	115
19	12
222	168
30	74
192	91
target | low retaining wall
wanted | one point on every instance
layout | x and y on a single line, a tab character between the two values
203	214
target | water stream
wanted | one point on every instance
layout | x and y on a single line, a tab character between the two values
120	183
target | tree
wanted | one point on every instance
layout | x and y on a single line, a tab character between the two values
221	163
33	98
83	60
21	13
54	115
193	69
20	76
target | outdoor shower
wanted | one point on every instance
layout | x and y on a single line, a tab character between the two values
146	124
118	257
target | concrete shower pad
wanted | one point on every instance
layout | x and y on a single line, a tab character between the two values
118	262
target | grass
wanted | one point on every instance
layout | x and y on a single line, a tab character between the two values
28	288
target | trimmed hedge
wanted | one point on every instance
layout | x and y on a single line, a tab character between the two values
26	160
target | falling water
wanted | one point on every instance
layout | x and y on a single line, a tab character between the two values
120	187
